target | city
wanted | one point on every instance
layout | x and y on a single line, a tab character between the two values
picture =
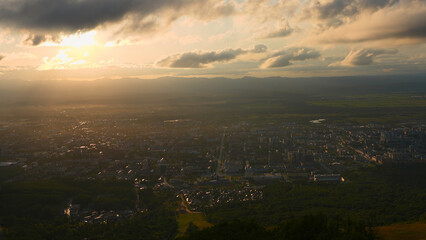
203	163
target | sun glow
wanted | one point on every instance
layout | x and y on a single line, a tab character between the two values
80	39
74	55
77	40
65	59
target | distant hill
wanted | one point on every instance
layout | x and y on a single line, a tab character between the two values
135	90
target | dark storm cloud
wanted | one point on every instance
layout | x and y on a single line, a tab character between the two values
64	15
201	59
286	57
35	40
81	15
363	57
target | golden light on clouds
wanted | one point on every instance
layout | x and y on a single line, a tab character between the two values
80	39
198	36
77	40
65	59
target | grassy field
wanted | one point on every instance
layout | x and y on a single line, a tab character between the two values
374	101
197	219
378	108
406	231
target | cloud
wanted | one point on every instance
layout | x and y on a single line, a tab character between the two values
408	23
331	9
67	59
286	57
5	36
337	12
267	10
202	59
199	59
259	49
284	31
70	16
38	39
35	40
2	57
362	57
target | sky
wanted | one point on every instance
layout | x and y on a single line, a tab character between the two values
93	39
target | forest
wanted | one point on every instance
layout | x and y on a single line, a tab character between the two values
376	196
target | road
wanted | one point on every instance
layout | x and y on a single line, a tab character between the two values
220	161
